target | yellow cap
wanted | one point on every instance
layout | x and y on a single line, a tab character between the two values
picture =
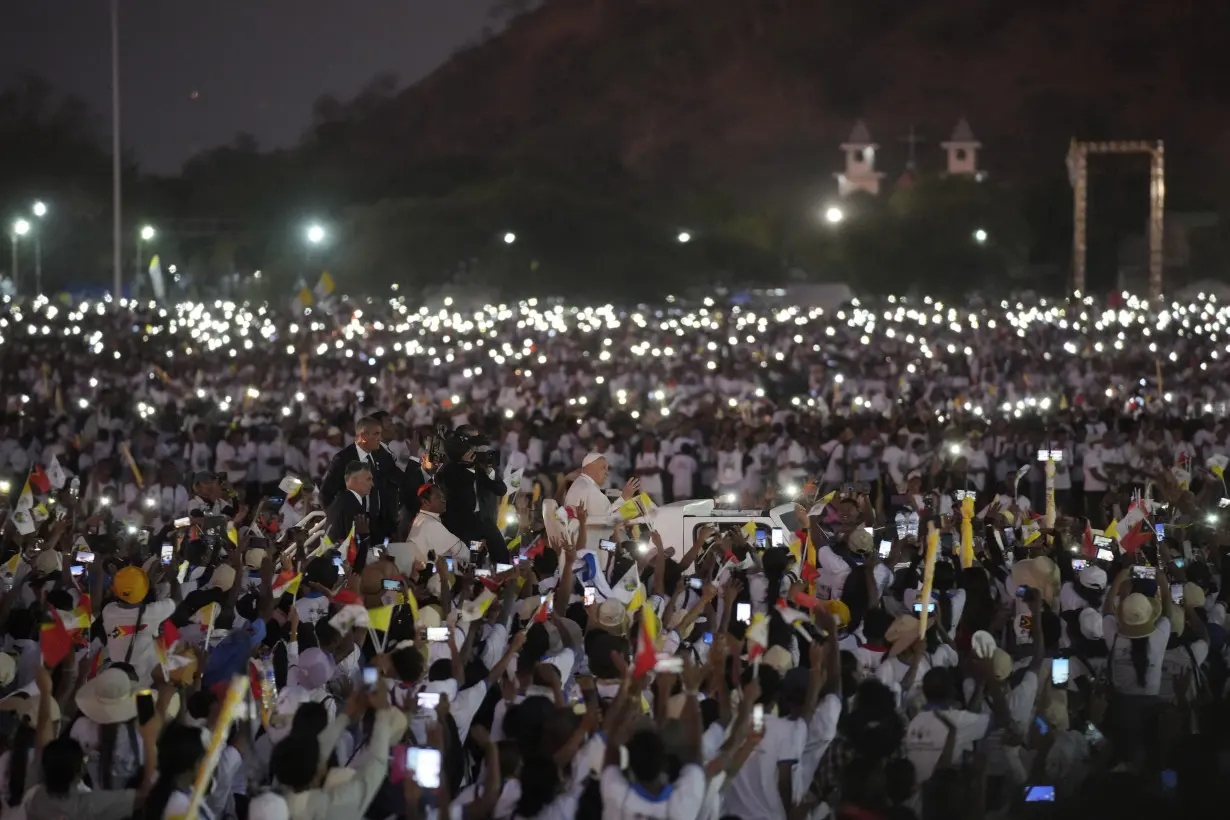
131	585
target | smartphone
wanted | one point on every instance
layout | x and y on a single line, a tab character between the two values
608	546
886	546
1176	593
758	718
1223	503
1009	536
180	523
76	569
1105	555
1102	540
370	676
425	763
1040	722
1141	571
85	557
428	700
779	538
918	607
168	552
1180	562
448	562
476	546
1078	564
743	613
707	638
1059	671
503	567
480	572
437	634
668	666
392	584
696	583
516	559
1160	531
591	596
1039	794
1170	779
946	541
337	561
1020	591
145	706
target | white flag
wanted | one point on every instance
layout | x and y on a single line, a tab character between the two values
55	474
155	278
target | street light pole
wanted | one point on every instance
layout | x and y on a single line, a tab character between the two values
40	211
16	288
117	238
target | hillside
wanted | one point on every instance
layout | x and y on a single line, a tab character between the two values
759	92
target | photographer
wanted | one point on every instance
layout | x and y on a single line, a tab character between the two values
467	477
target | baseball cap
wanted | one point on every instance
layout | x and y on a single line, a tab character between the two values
203	476
131	585
223	577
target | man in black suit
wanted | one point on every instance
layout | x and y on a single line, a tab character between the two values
386	478
463	479
352	508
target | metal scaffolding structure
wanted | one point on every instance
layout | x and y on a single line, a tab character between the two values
1078	169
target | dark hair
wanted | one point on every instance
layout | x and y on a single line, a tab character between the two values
310	720
938	686
63	760
19	757
355	467
539	785
1140	658
180	749
646	755
292	768
408	664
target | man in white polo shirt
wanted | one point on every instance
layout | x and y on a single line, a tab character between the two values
586	491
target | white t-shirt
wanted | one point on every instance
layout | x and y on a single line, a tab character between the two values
753	793
120	623
926	735
622	800
1123	673
1093	461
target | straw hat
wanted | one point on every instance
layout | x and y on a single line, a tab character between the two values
612	616
47	562
8	669
1001	665
254	557
223	577
26	707
1193	595
108	698
1138	615
901	634
778	657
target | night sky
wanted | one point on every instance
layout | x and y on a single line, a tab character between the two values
255	65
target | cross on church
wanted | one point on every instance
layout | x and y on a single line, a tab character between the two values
912	139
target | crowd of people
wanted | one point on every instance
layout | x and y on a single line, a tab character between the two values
389	561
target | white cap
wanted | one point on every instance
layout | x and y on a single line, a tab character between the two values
268	806
1093	577
1091	624
591	458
